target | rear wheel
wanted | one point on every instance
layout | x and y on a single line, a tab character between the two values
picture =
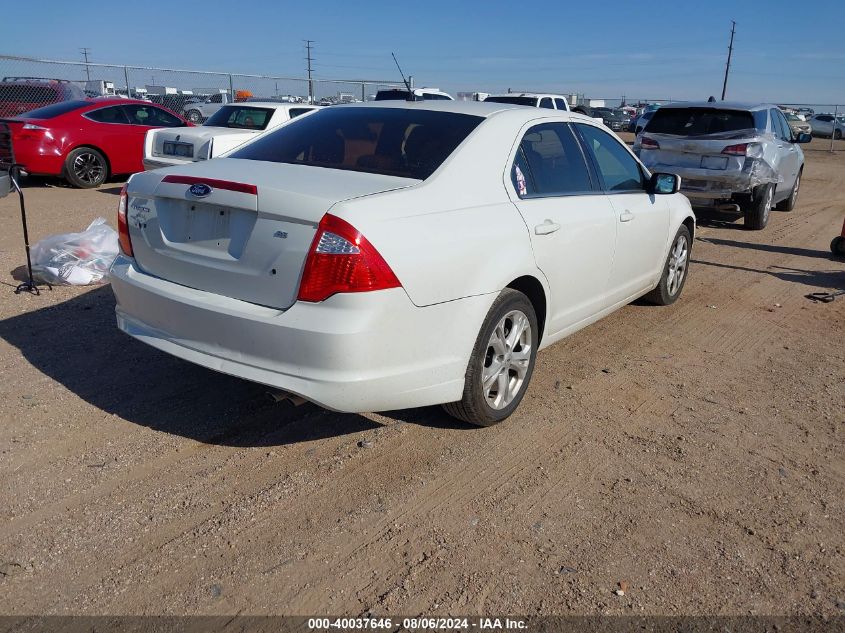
789	203
837	246
674	270
85	167
502	362
194	116
756	211
837	134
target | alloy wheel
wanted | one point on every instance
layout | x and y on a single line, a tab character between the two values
507	360
88	168
677	265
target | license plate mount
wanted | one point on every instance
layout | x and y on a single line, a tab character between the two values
182	150
714	162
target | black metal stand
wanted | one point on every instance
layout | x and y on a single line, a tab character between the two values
29	285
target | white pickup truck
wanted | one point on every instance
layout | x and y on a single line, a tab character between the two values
231	126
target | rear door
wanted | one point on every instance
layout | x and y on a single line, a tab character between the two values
642	218
789	160
572	225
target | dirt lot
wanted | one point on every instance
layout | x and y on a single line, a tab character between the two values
692	452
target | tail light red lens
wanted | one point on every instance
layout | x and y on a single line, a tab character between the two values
649	143
123	224
342	260
736	150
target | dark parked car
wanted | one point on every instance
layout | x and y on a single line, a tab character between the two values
22	94
614	119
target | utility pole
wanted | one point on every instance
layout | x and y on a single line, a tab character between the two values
309	59
84	51
728	65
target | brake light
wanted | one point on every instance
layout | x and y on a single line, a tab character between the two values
342	260
736	150
649	143
123	224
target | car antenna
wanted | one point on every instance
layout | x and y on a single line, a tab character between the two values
411	95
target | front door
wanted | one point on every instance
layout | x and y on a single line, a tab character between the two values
642	218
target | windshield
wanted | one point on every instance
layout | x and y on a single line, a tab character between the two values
791	117
390	141
699	121
526	101
241	117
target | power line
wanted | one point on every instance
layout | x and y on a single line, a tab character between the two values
309	59
85	51
728	65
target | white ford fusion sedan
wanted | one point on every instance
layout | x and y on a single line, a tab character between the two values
390	255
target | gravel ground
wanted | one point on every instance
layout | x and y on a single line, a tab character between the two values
693	453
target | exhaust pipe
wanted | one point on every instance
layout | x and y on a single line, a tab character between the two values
280	396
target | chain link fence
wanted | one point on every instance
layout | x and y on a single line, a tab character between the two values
27	83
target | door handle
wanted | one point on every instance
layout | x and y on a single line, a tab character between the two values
546	227
626	216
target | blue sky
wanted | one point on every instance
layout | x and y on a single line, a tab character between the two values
784	51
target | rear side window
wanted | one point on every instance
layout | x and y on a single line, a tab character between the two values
617	168
295	112
699	121
391	141
555	162
114	114
546	102
561	104
57	109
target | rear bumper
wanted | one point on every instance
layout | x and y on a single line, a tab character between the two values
708	184
159	161
353	352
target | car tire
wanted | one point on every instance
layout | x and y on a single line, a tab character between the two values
86	168
756	210
488	406
837	135
194	116
789	203
675	270
837	246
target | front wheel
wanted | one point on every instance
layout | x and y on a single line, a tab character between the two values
837	135
194	116
502	362
86	168
674	270
837	246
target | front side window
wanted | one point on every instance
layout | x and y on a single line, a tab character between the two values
617	168
554	160
241	117
546	102
392	141
561	104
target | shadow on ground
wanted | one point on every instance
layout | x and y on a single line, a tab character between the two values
77	344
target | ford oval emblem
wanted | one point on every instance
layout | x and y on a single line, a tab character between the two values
200	190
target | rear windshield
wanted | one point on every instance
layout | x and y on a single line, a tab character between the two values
392	141
56	109
699	121
27	93
241	117
529	101
391	95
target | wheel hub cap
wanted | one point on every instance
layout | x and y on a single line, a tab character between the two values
677	265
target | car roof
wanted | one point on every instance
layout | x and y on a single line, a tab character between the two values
721	105
278	105
538	95
106	101
475	108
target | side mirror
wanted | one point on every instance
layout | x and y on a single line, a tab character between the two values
665	183
803	137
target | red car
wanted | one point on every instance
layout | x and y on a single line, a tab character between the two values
85	142
22	94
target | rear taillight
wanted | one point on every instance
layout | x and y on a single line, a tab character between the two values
123	224
649	143
736	150
342	260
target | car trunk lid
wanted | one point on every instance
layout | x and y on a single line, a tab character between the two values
196	143
248	235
